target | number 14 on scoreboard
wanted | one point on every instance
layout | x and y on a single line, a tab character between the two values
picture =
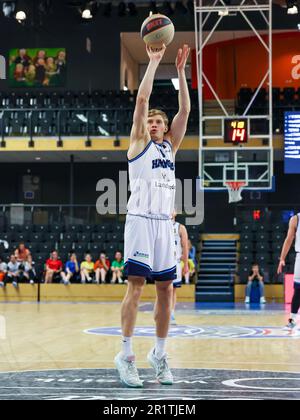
235	131
239	131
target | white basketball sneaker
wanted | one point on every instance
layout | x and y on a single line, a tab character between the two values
173	320
263	300
128	372
291	324
162	371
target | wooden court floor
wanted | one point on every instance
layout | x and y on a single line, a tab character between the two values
54	336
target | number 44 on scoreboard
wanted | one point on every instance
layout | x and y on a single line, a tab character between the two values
235	131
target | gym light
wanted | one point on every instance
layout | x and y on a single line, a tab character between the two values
21	16
86	14
292	8
8	8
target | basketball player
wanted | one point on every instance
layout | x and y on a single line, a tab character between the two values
182	255
293	233
149	236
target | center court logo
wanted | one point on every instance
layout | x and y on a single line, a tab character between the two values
207	332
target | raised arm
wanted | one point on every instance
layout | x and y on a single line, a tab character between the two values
140	116
288	242
179	124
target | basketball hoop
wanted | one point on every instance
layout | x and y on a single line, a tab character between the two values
235	189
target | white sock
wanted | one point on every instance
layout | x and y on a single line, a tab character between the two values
160	347
127	346
293	317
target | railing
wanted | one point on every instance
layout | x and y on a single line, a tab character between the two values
49	214
59	122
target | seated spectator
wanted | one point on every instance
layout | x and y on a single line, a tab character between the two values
21	253
191	271
117	268
53	268
29	270
102	267
13	272
71	269
87	269
192	253
255	275
3	271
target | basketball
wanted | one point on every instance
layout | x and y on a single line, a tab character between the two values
157	30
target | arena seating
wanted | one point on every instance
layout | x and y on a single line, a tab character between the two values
261	241
104	113
286	99
99	113
42	239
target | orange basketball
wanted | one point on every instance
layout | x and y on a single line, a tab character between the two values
157	30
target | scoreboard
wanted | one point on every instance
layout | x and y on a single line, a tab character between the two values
235	131
292	142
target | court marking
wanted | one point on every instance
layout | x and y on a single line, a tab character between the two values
205	332
196	384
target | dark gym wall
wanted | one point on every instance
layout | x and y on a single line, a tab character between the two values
98	70
101	68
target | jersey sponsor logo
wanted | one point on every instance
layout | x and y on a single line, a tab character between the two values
163	163
140	254
205	332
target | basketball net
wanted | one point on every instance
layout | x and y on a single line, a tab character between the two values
235	189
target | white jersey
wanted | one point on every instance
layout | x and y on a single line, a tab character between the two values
152	182
178	247
297	243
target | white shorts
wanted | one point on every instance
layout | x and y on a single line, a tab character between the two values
149	248
178	281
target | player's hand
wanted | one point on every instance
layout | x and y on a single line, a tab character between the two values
185	269
280	266
156	54
182	56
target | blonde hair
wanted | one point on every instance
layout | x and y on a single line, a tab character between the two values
164	116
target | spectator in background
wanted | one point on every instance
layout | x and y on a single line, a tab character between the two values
191	271
53	268
29	270
117	268
21	253
13	272
71	269
102	267
3	272
255	275
19	73
87	269
192	253
22	58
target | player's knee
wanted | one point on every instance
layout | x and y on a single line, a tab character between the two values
136	286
